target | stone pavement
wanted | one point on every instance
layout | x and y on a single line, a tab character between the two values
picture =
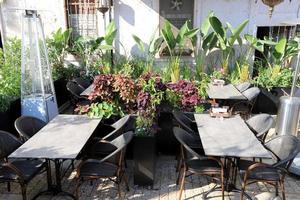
164	188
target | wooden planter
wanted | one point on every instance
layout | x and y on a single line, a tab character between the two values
144	158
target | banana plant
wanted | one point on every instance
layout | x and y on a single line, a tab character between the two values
175	43
88	48
225	43
278	53
150	49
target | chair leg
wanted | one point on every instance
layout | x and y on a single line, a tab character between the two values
126	181
77	188
276	189
222	184
243	190
23	189
179	163
119	188
179	176
8	186
182	183
282	190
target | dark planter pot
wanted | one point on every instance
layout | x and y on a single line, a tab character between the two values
62	94
166	141
266	102
5	121
144	159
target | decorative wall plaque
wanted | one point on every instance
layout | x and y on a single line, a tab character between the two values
177	12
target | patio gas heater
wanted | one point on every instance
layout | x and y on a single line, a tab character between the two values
289	115
37	90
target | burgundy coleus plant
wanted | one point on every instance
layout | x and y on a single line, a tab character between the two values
188	92
103	88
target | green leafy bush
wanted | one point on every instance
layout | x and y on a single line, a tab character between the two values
10	72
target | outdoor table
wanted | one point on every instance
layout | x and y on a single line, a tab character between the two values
229	138
87	91
225	92
61	139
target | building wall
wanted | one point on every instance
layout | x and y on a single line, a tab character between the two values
52	13
141	17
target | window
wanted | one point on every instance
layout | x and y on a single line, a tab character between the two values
82	17
177	12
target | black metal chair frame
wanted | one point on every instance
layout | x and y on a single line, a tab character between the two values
6	164
118	156
75	97
83	83
186	172
34	123
281	167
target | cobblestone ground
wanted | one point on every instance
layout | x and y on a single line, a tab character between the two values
164	188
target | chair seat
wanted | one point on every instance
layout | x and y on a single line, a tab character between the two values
203	166
96	169
267	173
29	168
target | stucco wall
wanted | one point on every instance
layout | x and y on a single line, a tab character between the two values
52	13
141	17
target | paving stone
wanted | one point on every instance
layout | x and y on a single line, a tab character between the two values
165	187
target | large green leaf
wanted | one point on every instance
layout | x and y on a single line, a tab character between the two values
182	33
139	43
217	26
206	24
110	34
236	32
168	36
280	49
209	42
155	46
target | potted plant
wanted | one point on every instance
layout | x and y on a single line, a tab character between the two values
144	152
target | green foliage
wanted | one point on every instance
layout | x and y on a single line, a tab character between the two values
226	43
175	44
150	49
58	46
103	110
94	52
202	84
274	76
10	72
199	109
174	69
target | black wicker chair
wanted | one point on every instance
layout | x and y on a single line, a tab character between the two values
103	145
185	122
27	126
243	86
83	83
75	91
112	166
19	171
245	107
194	164
260	125
284	148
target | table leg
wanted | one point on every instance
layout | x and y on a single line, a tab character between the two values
54	189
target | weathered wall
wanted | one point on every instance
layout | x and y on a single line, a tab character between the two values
141	17
52	13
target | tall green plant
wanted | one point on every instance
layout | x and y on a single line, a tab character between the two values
225	43
58	46
10	72
150	49
175	44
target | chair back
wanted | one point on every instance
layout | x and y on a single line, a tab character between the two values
184	121
119	128
260	124
184	138
243	86
120	143
27	126
83	83
8	144
74	89
251	93
285	148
